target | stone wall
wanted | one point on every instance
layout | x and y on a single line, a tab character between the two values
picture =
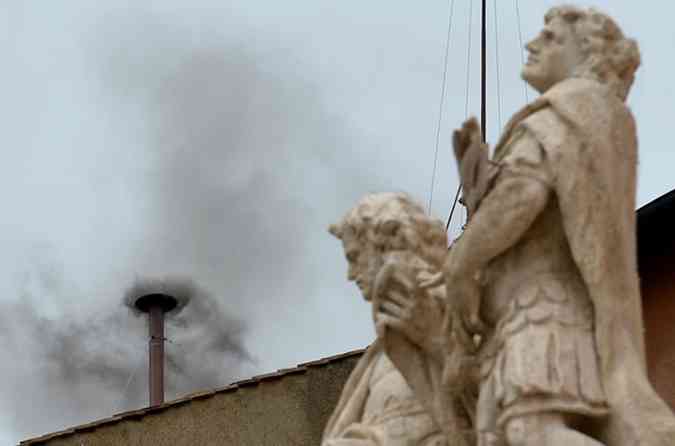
658	295
656	255
284	409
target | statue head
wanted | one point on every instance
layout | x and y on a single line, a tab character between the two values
586	43
384	223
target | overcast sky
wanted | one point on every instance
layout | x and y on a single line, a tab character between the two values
217	141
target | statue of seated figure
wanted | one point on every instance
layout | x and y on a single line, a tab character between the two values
390	245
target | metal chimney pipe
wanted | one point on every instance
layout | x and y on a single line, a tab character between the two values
156	352
156	305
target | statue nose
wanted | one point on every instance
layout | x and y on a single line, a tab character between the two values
531	47
351	273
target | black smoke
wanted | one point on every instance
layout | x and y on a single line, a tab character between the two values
70	368
235	155
203	344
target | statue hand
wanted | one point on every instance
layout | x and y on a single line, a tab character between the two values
463	291
466	137
472	159
464	296
430	280
405	307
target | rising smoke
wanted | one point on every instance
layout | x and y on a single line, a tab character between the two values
75	368
203	342
229	146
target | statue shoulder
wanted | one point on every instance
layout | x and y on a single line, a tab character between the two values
524	153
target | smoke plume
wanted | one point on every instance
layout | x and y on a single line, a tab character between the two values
203	342
78	367
212	169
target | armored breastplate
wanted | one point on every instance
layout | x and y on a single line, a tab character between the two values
537	270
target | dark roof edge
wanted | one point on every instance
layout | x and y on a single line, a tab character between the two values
655	223
648	211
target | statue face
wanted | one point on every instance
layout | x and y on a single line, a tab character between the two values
553	56
364	264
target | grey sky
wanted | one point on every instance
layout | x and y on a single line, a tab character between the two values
217	140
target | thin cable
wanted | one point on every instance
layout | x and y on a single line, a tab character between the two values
468	62
483	71
466	104
522	48
454	204
129	380
441	103
499	92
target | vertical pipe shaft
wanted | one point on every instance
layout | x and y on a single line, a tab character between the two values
156	350
483	70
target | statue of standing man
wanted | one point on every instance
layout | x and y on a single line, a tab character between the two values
545	271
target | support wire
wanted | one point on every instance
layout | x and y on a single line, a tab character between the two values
499	89
466	103
441	103
522	49
468	62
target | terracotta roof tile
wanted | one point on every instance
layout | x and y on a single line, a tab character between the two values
246	382
292	371
228	388
329	359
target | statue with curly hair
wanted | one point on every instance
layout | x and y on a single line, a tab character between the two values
390	398
545	272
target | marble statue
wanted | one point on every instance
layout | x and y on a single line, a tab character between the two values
545	273
390	246
529	330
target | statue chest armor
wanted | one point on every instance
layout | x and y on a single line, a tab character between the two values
537	275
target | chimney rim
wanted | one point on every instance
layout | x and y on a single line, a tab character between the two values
165	301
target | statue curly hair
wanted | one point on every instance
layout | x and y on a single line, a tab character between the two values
394	222
612	59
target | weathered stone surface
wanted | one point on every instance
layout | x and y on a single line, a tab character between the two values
391	245
546	272
542	310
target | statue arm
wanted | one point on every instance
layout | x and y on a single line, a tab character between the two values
504	216
520	193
